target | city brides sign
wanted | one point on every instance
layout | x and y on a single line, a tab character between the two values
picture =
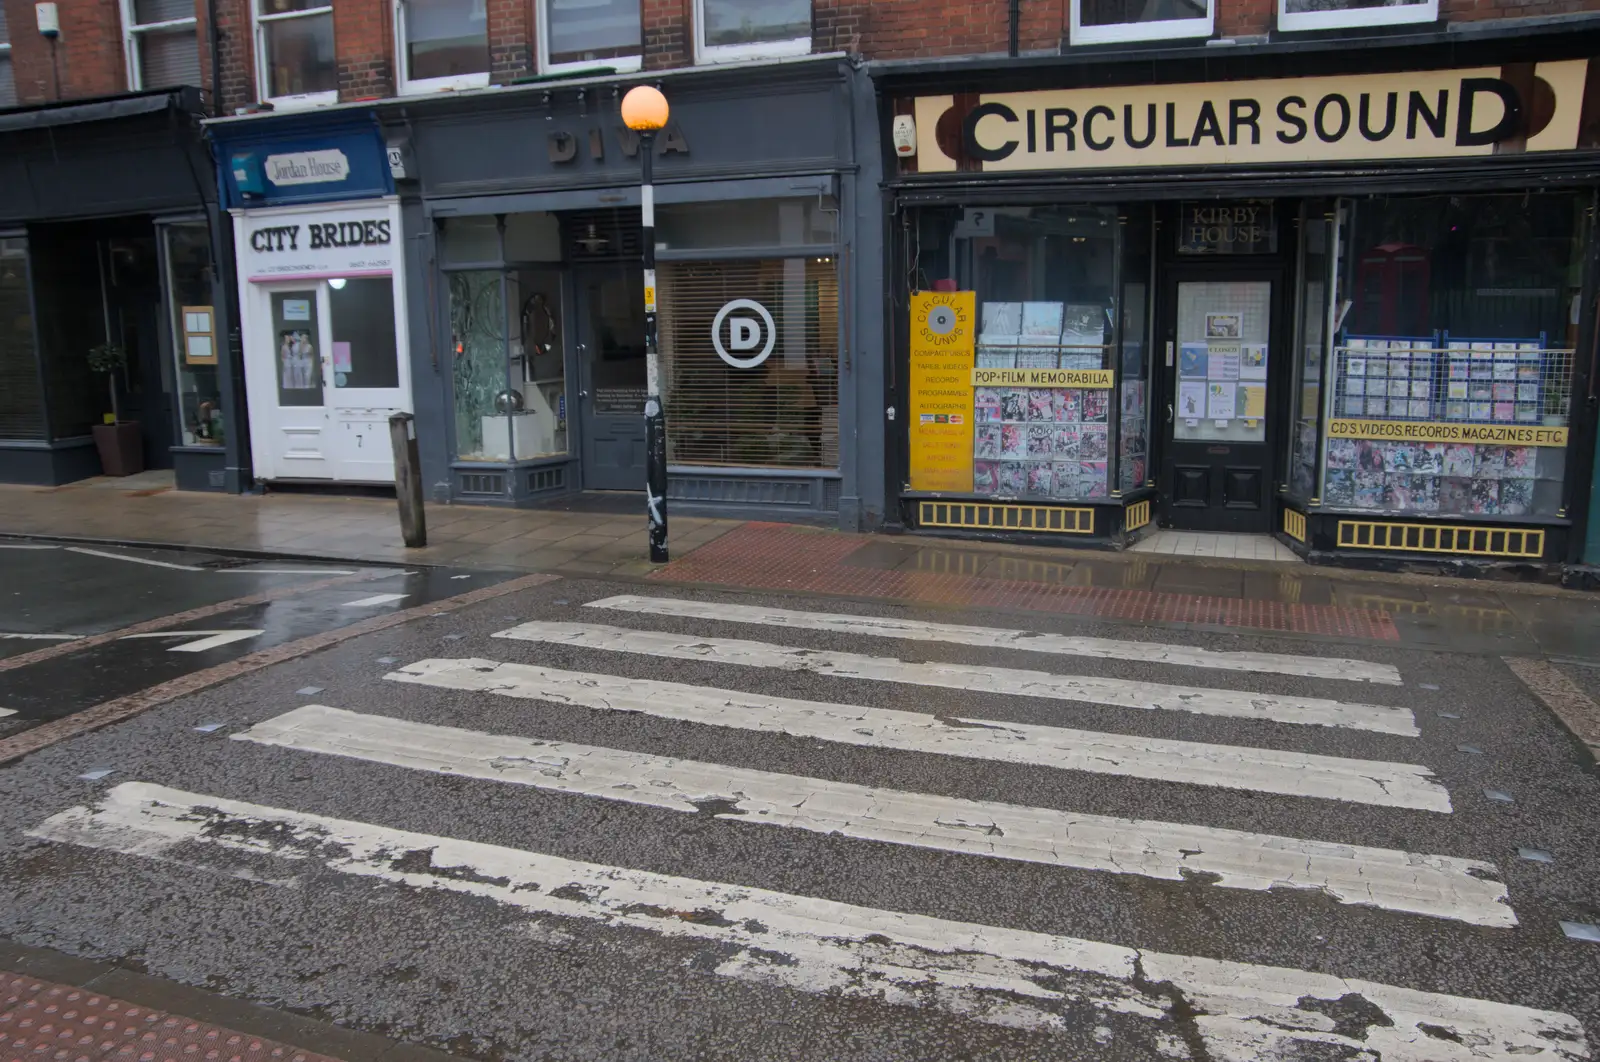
1427	114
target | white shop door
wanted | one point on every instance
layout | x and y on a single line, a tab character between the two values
366	377
337	376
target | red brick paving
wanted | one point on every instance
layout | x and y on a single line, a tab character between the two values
45	1022
767	556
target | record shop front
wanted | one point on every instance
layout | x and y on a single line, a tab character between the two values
1344	298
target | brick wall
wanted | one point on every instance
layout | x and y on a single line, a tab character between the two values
667	26
363	34
85	60
511	40
236	50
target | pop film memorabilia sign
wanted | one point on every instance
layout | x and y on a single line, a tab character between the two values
940	413
1420	114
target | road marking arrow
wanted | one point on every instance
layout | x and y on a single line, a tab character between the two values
205	639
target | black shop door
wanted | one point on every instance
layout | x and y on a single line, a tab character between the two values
1223	328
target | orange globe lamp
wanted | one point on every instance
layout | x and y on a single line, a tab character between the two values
644	109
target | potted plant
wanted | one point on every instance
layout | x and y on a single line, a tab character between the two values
120	442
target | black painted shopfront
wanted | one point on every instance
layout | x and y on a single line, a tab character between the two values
1342	297
110	237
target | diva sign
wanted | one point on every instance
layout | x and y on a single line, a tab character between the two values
1428	114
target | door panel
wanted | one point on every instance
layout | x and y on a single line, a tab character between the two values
610	312
296	418
364	377
1223	328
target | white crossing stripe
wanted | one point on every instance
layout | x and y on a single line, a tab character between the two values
41	637
1438	886
287	571
374	600
7	711
999	638
203	639
1400	785
1120	693
134	560
1003	976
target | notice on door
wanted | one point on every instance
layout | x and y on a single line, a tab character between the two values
939	417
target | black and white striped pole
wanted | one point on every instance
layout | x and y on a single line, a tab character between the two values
644	110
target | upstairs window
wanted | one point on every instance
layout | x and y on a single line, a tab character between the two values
294	52
730	30
443	44
162	43
574	34
1111	21
8	84
1336	14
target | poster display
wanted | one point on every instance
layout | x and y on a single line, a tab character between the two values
940	412
1434	424
1041	401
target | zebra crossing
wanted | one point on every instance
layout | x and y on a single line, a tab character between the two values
994	974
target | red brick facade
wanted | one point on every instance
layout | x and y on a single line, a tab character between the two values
88	57
363	33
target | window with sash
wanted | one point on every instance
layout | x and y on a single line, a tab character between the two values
162	43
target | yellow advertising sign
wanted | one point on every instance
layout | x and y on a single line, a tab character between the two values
1402	431
1409	115
1090	378
940	412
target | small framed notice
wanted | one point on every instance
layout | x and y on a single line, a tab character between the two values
199	335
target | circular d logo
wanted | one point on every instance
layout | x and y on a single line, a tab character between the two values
750	333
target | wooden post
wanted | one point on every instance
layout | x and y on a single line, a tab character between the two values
408	480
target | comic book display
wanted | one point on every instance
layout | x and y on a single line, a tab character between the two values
1044	442
1395	392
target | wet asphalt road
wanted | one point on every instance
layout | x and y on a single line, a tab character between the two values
473	975
53	592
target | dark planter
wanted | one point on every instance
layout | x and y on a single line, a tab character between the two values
121	448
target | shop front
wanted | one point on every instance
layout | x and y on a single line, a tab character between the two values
531	388
115	295
1353	309
321	292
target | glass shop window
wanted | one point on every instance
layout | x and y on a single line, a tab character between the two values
196	339
750	362
1449	389
797	222
1044	278
506	340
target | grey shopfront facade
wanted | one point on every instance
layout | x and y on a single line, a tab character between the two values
520	211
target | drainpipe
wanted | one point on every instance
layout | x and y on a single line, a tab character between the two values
213	41
1015	13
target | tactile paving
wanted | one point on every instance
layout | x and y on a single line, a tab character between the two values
45	1022
770	556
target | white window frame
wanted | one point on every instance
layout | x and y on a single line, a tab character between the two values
264	72
622	64
1398	15
406	85
132	30
1164	30
732	53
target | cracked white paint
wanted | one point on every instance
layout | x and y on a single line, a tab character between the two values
986	973
1402	785
1121	693
1416	883
999	638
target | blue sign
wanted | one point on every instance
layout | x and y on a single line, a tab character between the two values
274	162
